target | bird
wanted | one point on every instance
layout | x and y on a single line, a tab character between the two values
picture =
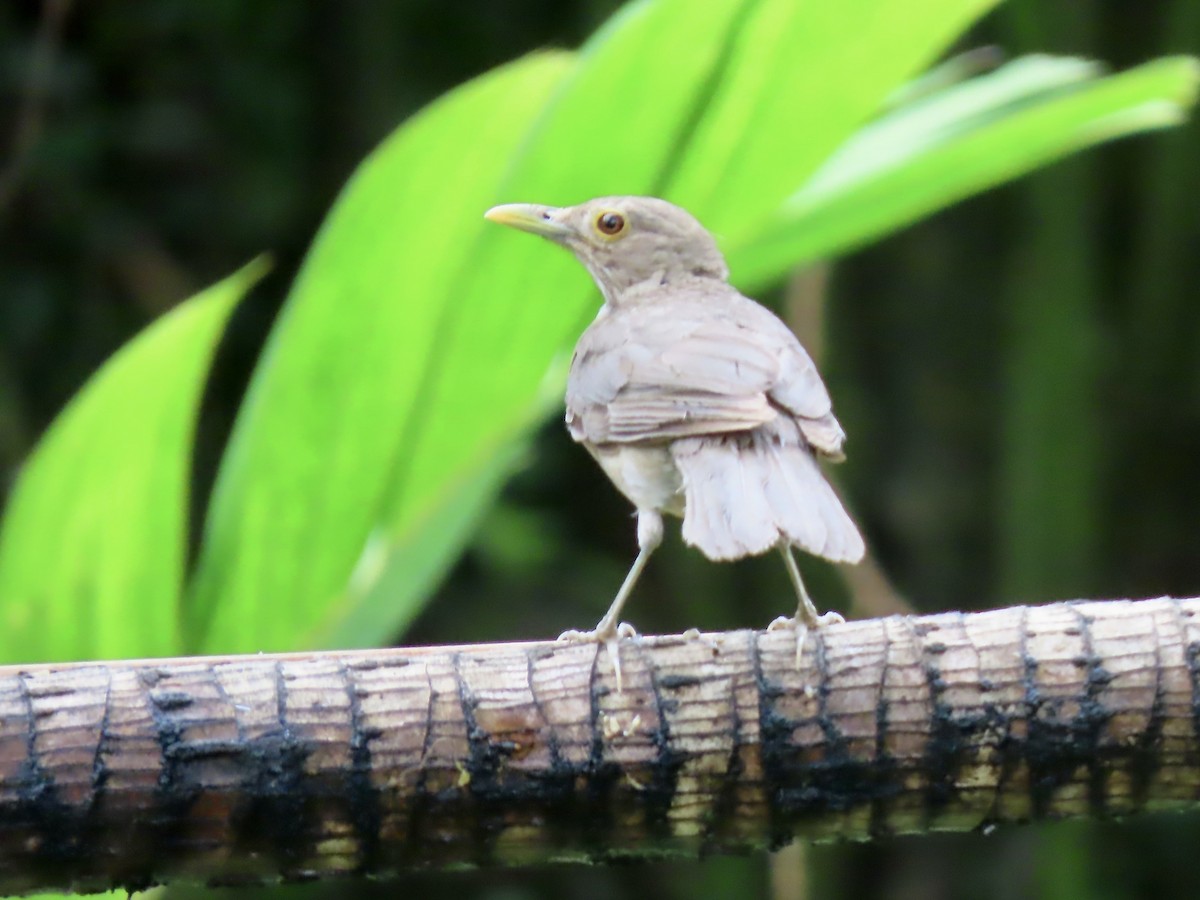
696	401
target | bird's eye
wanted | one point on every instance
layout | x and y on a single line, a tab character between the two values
610	223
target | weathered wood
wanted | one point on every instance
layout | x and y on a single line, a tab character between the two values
242	769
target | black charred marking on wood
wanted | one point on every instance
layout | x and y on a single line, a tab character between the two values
362	796
41	809
1056	748
602	775
884	763
1191	659
169	701
953	734
1038	732
103	741
557	788
800	791
944	748
1088	727
177	789
674	681
492	793
278	815
1147	758
1192	655
553	747
419	801
88	820
1010	747
840	781
775	732
543	651
722	810
836	748
659	793
209	748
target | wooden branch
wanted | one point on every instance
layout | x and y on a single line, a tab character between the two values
256	768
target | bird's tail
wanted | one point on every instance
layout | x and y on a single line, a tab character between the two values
745	493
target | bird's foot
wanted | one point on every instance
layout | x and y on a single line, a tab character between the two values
598	635
801	628
829	618
610	637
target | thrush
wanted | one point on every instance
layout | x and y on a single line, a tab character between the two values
695	400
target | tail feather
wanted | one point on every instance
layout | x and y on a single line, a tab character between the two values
746	493
796	492
750	517
714	519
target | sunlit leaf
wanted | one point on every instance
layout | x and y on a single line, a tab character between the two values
401	565
959	142
94	537
309	463
801	76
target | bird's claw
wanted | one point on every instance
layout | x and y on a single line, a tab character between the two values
779	623
611	639
801	628
830	618
597	635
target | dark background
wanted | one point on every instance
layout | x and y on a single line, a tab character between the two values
1019	375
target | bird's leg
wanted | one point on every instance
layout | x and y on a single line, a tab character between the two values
806	612
607	631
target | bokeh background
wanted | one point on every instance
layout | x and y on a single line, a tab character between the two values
1019	375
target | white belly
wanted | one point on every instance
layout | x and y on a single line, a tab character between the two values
646	475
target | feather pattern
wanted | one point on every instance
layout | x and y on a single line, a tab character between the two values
697	358
746	493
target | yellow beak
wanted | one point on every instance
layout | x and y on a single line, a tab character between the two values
531	217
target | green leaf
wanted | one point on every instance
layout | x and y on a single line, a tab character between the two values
303	480
963	140
405	562
94	537
801	77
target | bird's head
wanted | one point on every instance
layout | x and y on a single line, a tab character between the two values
623	241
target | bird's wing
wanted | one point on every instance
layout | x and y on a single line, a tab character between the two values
668	370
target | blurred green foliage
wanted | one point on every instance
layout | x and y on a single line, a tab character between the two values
93	545
1018	376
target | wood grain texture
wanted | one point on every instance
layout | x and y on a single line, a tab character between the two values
260	768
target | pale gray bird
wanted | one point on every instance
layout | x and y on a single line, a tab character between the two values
695	400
